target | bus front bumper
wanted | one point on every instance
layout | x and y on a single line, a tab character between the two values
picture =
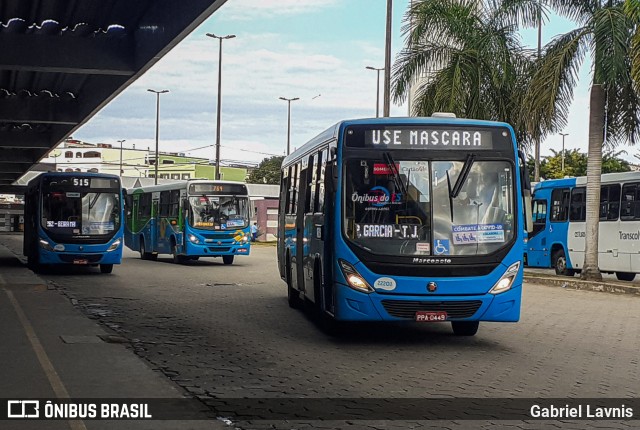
81	258
352	305
215	250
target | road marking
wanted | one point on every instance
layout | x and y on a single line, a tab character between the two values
53	377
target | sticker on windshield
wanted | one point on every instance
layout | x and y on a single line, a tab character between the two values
101	226
382	231
378	197
441	247
471	234
383	169
235	223
423	247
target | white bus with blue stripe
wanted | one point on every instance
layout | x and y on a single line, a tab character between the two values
558	236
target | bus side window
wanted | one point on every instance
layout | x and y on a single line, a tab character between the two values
284	191
539	216
322	168
578	205
559	204
609	202
630	207
309	186
164	203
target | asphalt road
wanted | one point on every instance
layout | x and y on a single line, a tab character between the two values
227	332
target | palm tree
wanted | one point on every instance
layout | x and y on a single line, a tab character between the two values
605	31
465	56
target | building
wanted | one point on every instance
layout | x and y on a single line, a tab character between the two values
264	202
77	156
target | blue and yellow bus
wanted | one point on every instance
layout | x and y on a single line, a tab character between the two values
73	218
189	220
559	225
406	219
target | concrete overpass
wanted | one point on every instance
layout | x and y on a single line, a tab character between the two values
63	60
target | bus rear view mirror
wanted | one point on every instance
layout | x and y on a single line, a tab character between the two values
528	213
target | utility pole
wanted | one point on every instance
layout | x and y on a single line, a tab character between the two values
157	93
289	121
218	120
121	141
387	61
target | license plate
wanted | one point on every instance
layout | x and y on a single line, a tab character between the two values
80	262
425	316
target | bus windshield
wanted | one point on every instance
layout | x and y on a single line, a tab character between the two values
407	207
219	212
81	213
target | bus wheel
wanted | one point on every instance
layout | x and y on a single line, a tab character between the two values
143	251
560	264
177	258
625	276
465	328
106	268
227	259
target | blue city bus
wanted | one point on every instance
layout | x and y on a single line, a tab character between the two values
189	220
559	217
73	218
406	219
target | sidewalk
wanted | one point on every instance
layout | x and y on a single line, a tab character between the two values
537	276
50	350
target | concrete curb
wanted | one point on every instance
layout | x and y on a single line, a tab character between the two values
578	284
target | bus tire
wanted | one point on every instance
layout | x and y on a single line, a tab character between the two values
625	276
106	268
227	259
144	255
293	297
560	263
465	328
177	258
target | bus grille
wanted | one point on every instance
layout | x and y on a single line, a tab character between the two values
69	258
454	309
219	248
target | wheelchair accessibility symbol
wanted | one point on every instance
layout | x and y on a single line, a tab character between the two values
441	247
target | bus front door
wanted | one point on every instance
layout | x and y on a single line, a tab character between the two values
536	248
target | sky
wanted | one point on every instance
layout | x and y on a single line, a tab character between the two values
317	50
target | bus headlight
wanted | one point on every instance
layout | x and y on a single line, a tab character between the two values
354	279
114	245
505	282
245	239
45	245
193	239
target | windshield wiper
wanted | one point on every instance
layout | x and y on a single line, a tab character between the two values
450	195
462	178
396	174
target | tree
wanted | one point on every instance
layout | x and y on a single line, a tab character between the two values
575	164
267	172
605	31
465	57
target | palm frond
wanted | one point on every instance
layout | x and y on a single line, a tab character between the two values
580	11
550	91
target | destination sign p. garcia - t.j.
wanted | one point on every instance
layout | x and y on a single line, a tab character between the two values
428	137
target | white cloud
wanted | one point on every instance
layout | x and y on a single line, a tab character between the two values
242	10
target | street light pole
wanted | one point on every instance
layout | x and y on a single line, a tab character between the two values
387	61
218	119
289	121
157	93
377	89
121	141
536	165
563	136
